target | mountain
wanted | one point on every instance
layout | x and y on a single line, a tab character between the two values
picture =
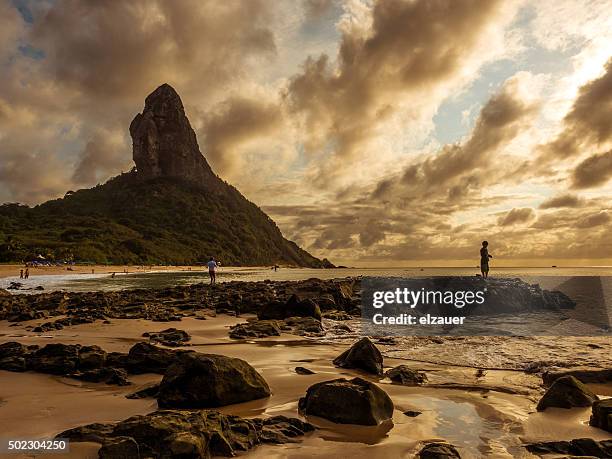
171	209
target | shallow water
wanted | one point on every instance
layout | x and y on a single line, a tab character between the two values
160	279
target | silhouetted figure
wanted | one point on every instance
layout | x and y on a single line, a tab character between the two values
21	274
212	267
484	259
26	275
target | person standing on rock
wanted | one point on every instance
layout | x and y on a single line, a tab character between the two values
212	268
484	259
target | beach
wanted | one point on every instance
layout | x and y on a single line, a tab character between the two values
480	395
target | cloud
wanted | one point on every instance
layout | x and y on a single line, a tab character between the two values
117	50
600	218
594	171
563	200
458	168
587	124
406	52
516	216
315	9
230	126
102	156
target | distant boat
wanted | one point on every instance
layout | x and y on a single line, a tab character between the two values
553	266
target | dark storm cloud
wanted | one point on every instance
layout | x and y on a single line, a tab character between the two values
121	49
597	219
516	216
563	200
588	123
594	171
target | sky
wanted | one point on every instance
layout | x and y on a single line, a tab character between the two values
375	133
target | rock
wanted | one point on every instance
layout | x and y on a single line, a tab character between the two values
170	337
117	376
187	434
567	392
584	376
117	359
91	357
363	355
307	326
344	401
438	450
14	286
296	307
293	307
337	315
57	359
602	414
12	349
149	391
412	414
255	329
146	358
577	447
164	144
281	429
210	380
4	292
403	374
303	371
119	448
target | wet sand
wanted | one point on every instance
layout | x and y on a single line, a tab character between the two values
490	416
12	270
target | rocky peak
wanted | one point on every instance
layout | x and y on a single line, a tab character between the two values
164	144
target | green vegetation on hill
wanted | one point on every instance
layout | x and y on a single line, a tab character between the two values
160	221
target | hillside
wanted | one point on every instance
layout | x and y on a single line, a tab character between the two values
170	209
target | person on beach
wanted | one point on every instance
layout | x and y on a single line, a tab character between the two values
484	259
21	274
212	267
26	275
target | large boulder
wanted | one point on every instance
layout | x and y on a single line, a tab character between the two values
602	414
344	401
293	307
192	434
55	358
439	450
255	329
566	392
12	356
210	380
91	357
403	374
363	355
146	358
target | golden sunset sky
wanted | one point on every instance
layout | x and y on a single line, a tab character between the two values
390	132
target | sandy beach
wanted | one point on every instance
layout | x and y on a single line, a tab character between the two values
12	270
483	414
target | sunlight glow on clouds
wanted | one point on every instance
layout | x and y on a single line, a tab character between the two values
379	130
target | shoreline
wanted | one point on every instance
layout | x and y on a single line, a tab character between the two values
483	413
